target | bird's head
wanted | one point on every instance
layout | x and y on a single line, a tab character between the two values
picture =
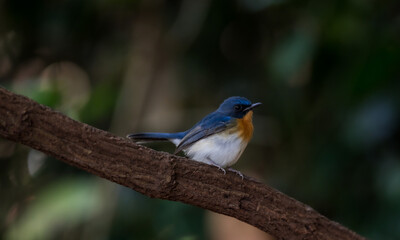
237	107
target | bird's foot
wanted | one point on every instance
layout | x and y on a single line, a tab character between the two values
237	172
220	168
216	165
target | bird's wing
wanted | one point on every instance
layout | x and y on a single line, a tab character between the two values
213	123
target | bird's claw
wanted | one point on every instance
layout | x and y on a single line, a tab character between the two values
237	172
221	168
230	169
218	166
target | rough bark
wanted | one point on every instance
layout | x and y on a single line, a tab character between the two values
159	174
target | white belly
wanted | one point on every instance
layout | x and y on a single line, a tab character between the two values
221	149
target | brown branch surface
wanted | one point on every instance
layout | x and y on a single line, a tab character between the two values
159	174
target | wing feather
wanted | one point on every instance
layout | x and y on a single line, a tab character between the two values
212	124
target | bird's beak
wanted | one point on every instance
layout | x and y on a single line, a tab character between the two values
252	106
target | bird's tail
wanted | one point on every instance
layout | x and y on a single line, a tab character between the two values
152	137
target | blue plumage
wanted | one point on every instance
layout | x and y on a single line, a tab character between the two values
212	124
148	137
216	139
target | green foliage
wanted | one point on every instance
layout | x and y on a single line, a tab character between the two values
58	208
101	103
327	134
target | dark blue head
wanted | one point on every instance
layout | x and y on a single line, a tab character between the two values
236	107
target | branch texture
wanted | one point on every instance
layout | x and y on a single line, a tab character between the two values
159	174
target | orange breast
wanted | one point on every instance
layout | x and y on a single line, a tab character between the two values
245	126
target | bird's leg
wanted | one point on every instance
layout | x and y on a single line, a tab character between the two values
236	171
216	165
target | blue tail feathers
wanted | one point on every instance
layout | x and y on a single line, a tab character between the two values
148	137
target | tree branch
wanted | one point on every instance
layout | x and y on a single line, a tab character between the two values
159	174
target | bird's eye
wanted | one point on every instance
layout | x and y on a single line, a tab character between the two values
238	107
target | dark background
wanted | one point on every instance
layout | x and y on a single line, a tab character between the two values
327	134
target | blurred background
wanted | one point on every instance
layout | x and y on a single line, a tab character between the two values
327	134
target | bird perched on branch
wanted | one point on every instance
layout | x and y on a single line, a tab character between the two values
218	139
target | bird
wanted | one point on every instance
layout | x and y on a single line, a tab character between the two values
219	139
